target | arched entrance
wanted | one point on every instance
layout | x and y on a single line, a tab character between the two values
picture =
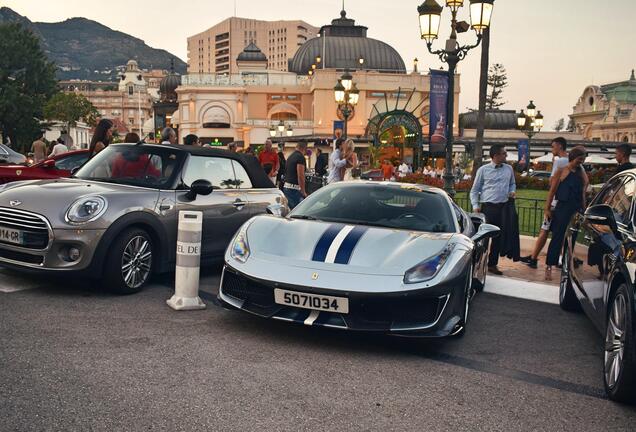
397	133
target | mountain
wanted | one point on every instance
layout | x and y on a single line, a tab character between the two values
85	49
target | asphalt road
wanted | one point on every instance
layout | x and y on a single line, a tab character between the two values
75	358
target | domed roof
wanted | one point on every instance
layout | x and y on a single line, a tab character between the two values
252	53
169	84
341	45
495	120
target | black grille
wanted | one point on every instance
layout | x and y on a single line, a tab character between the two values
404	309
34	228
243	289
21	257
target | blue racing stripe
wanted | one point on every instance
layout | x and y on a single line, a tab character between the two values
322	247
349	244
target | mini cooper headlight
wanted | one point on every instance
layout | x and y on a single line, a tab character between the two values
240	250
428	269
86	209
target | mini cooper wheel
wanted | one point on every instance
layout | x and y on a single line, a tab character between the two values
129	262
567	297
619	365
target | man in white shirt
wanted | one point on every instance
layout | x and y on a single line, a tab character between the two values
561	160
59	148
336	162
403	169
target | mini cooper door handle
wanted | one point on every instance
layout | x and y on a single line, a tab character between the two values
239	204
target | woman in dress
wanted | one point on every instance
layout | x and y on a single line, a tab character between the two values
569	191
101	138
352	160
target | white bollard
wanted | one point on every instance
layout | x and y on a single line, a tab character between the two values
186	288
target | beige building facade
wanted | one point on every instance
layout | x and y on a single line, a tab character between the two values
215	50
607	112
129	100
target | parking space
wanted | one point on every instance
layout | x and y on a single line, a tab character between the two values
74	358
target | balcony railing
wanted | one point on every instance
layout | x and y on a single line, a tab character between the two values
269	123
242	80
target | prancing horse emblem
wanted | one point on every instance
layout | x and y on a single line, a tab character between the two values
15	203
18	172
314	276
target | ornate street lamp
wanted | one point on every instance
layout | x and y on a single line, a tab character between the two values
289	131
430	18
346	94
530	122
272	131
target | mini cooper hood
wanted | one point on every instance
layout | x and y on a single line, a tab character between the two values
52	198
355	249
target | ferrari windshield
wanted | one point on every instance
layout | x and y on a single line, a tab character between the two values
136	165
390	206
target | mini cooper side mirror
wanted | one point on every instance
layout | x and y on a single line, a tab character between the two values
74	171
601	214
486	231
199	187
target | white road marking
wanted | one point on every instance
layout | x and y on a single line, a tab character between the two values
313	316
522	289
336	243
11	281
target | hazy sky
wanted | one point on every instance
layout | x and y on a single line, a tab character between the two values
552	49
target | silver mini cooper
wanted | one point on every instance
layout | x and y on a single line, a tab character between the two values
116	219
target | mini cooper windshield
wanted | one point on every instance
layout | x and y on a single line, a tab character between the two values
386	206
135	165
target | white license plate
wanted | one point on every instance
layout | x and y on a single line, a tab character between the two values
311	301
11	236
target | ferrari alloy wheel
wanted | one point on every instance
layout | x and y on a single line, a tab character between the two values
620	355
567	297
129	262
468	295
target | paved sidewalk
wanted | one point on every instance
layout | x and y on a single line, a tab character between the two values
521	271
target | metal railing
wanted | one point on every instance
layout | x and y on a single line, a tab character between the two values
530	212
269	123
243	80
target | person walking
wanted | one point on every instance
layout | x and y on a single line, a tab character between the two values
336	162
623	154
59	148
38	148
168	136
559	151
322	162
351	157
387	170
268	159
494	185
101	138
282	166
192	140
294	186
569	191
403	169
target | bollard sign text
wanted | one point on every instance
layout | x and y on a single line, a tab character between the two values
190	249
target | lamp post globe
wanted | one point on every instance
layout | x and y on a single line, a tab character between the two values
354	95
281	126
289	131
480	14
454	5
531	109
347	80
430	19
521	120
538	121
339	92
272	131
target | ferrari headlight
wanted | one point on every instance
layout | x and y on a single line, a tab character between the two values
86	209
428	269
240	247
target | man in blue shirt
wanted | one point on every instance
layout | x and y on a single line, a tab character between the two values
494	185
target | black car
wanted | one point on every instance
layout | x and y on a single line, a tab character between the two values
598	276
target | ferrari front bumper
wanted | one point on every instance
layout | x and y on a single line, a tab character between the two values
429	312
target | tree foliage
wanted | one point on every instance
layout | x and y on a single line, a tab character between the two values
571	125
70	108
559	125
27	81
497	82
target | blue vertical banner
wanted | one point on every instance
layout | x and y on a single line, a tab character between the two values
338	128
524	154
439	107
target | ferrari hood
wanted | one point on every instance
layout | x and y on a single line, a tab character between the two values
350	248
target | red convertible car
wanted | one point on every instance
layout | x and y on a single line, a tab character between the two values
54	167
